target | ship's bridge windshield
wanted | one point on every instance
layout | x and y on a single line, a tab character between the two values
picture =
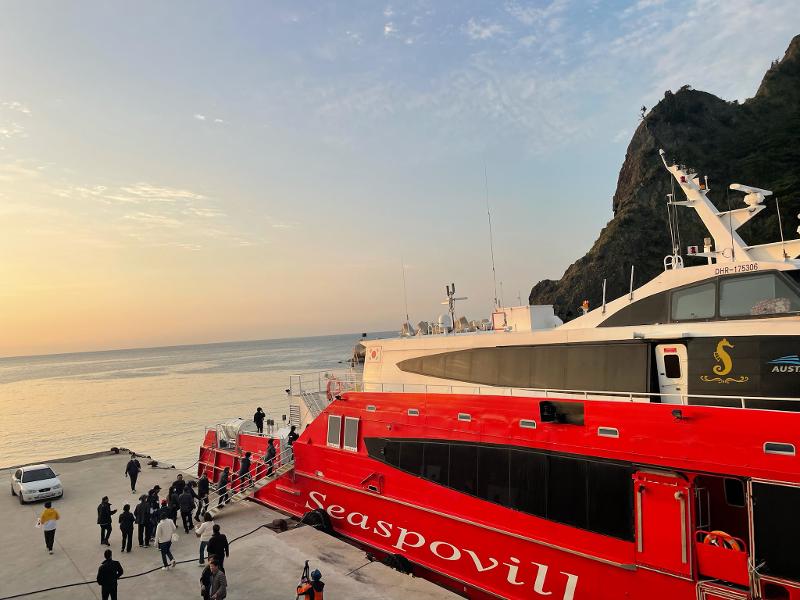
770	293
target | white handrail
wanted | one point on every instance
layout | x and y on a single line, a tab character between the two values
426	388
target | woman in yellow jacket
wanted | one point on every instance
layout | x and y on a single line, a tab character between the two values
48	520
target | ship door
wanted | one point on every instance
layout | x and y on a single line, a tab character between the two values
662	522
672	362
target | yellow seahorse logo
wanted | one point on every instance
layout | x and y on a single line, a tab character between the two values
724	366
722	357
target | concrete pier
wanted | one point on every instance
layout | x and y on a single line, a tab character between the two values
263	565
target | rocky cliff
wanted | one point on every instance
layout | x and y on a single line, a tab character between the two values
755	143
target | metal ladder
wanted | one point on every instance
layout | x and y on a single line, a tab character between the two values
314	403
248	489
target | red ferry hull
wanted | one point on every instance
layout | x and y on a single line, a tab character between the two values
481	549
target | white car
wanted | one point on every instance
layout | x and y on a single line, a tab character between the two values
36	482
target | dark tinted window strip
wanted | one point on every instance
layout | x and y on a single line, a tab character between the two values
585	492
612	366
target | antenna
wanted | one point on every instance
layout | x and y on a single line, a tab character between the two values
451	303
405	291
780	229
730	223
630	294
491	237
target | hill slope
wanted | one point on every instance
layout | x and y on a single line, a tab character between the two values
756	143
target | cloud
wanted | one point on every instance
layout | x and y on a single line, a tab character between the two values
199	117
483	30
389	29
388	12
18	170
532	15
15	107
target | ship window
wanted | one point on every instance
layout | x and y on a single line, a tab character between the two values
411	457
776	528
528	487
464	468
566	491
437	458
391	453
672	366
696	302
610	496
595	495
334	431
351	433
493	474
734	492
764	294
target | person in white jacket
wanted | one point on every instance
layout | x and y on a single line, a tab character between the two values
164	533
204	531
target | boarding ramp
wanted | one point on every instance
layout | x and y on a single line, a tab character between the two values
261	474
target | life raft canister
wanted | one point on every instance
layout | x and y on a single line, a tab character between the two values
722	540
333	388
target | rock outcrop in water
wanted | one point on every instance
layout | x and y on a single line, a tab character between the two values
755	143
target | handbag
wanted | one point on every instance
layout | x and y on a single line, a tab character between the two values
174	537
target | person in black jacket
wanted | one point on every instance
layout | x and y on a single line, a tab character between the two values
186	504
218	546
222	486
141	514
107	575
205	578
293	435
174	507
259	419
244	472
132	470
104	513
152	512
203	487
270	457
177	486
126	521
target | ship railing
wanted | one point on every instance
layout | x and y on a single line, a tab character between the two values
340	381
261	471
567	394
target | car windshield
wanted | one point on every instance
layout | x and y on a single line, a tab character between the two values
37	475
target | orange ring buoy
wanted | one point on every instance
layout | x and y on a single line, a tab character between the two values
722	540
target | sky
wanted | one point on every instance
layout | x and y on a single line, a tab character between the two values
197	171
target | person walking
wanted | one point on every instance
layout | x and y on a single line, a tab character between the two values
218	546
164	533
293	435
141	516
132	470
204	532
205	579
104	513
186	505
107	576
219	583
203	487
270	457
152	515
259	419
178	485
244	472
222	486
48	521
126	521
174	507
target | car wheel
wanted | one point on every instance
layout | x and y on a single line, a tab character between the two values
13	493
21	501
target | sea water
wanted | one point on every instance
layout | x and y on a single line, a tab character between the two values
157	401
